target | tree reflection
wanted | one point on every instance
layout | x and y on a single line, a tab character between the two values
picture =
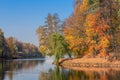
56	74
64	74
1	71
9	67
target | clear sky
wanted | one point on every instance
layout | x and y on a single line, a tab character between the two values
21	18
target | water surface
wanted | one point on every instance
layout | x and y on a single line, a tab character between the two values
42	69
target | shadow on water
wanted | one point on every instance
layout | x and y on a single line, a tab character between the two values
41	69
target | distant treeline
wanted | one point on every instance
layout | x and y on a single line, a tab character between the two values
11	48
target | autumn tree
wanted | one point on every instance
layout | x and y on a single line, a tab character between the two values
26	50
42	33
12	46
93	28
97	37
109	11
52	25
19	45
87	30
74	31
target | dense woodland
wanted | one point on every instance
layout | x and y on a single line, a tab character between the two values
12	48
93	29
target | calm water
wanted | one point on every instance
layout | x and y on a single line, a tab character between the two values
42	69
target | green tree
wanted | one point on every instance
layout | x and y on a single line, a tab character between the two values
58	45
4	50
2	43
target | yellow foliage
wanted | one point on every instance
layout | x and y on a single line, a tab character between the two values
104	42
97	38
86	31
42	49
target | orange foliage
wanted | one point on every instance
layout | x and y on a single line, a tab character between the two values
96	34
86	32
74	28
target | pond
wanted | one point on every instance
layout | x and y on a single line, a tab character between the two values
43	69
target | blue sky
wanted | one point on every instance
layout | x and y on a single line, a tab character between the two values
21	18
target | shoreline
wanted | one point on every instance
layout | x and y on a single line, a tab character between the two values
89	64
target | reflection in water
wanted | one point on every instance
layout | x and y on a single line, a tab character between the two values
9	67
1	71
61	74
44	70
